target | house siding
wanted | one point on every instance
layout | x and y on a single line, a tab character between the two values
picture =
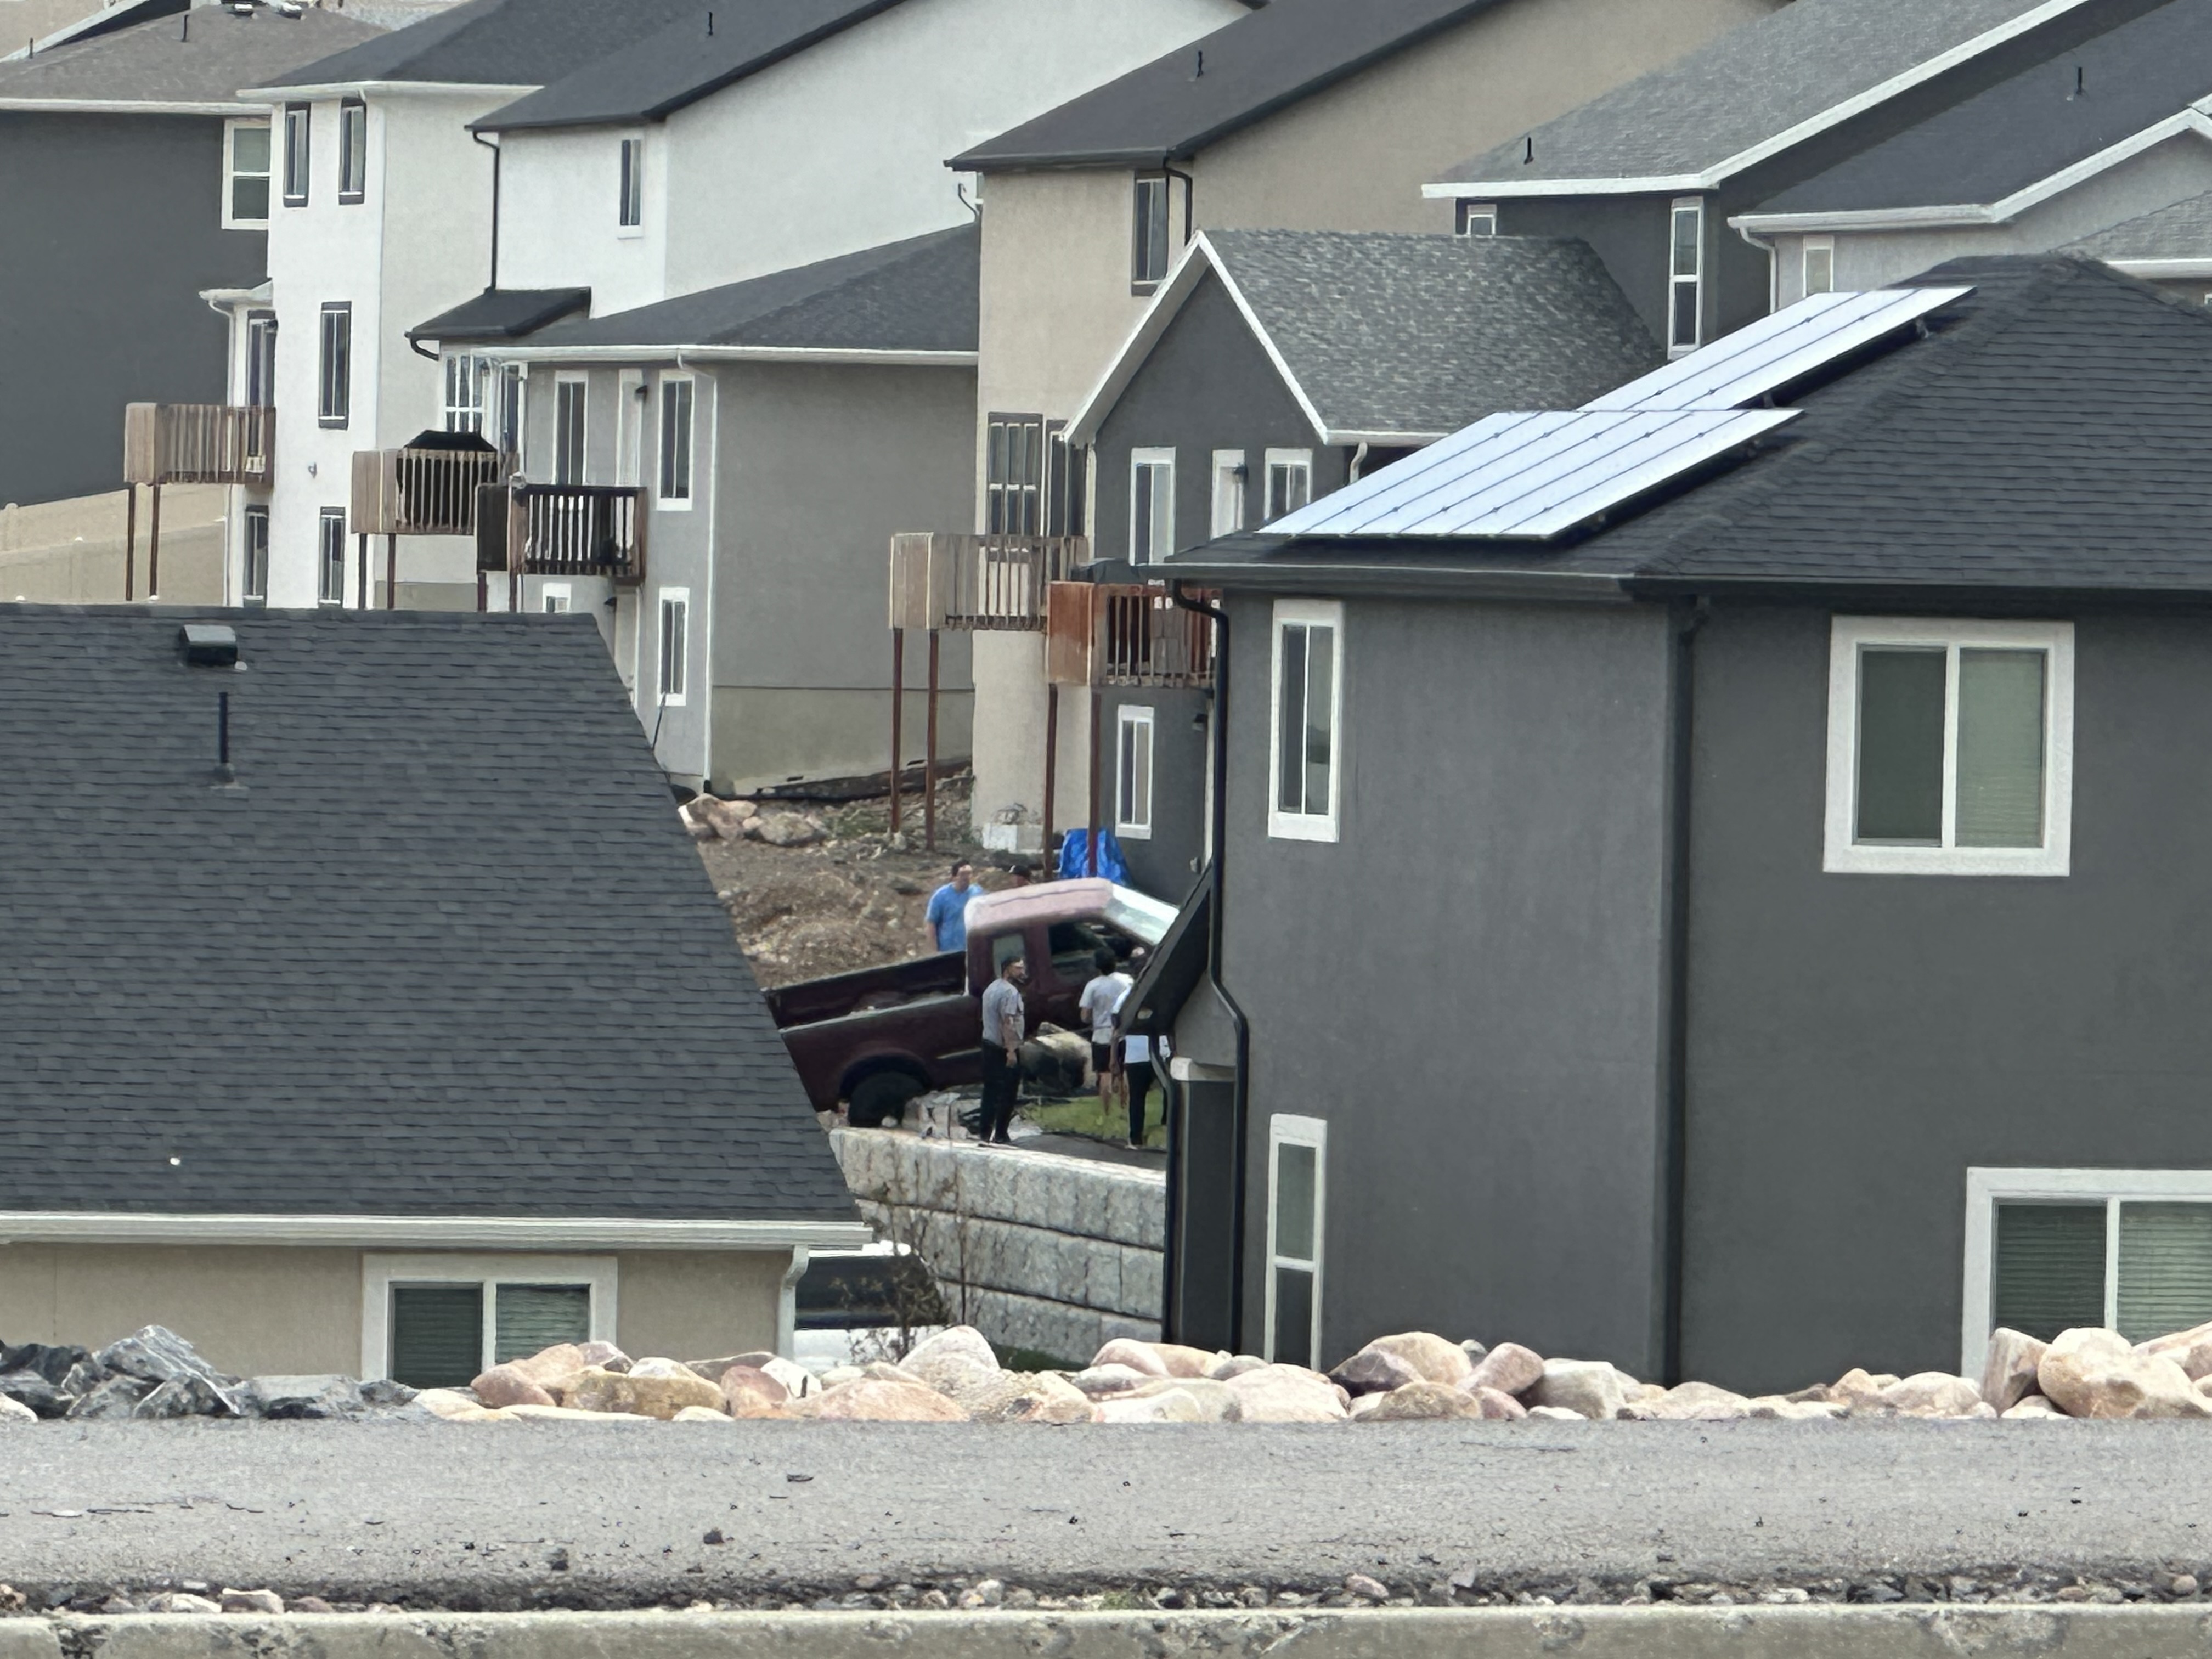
1165	863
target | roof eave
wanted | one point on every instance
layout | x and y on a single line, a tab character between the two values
113	107
1412	581
380	89
833	356
434	1232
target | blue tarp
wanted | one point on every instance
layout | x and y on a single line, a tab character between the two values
1074	861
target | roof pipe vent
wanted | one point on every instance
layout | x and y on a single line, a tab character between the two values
209	645
1528	149
1199	73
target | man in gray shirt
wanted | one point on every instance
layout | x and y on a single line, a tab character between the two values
1002	1048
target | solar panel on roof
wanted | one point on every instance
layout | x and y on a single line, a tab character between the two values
1764	356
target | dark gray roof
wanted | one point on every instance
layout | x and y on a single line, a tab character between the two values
1255	66
502	313
2027	128
1753	83
446	951
496	43
2181	230
1406	333
682	62
913	296
203	56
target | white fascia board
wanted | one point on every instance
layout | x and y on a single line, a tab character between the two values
851	356
429	1232
1765	148
1335	438
222	299
1198	258
110	106
379	89
2152	270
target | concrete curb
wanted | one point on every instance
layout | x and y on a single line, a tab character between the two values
1763	1633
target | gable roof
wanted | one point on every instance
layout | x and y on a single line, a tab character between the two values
502	313
2173	240
1756	91
696	55
356	984
2046	435
1389	337
911	301
188	63
1242	73
494	43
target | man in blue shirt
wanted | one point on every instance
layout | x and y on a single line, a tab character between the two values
947	919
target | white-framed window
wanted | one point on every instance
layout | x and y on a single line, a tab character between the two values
630	426
1819	265
1290	481
353	150
1133	773
674	644
439	1321
1013	474
1950	747
1303	760
298	132
246	175
334	371
630	211
1229	473
1477	219
330	556
677	396
571	427
556	598
467	377
2048	1250
1686	274
1297	1185
1151	505
513	431
1148	235
253	557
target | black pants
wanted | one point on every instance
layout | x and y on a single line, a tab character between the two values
1137	1077
1002	1081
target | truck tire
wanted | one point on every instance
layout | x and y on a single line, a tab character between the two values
880	1097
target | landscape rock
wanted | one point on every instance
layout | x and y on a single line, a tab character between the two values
784	829
1433	1359
1795	1411
1510	1369
157	1354
1037	1397
1099	1381
748	1391
510	1385
179	1602
13	1411
1236	1365
1364	1405
1497	1405
712	1369
1555	1414
709	1415
1419	1401
1217	1401
659	1366
316	1399
2008	1372
58	1363
115	1398
1859	1390
1932	1393
1287	1394
1696	1402
1588	1387
1169	1404
252	1600
186	1396
35	1394
2092	1372
1373	1370
1137	1356
381	1393
643	1396
2033	1407
571	1415
448	1402
797	1382
1183	1361
957	1343
2191	1350
868	1400
837	1374
883	1371
720	818
601	1356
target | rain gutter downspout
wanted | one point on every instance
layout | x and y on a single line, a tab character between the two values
496	158
1773	267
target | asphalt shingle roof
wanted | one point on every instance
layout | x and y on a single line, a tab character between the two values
1288	50
2027	128
682	62
2181	230
446	951
502	313
918	294
1392	332
1755	81
201	56
495	43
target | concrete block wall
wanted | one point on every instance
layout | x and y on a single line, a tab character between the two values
1036	1250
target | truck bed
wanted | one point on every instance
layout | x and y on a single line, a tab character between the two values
868	989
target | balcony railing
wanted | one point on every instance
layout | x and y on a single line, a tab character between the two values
1128	634
979	583
422	492
563	529
197	443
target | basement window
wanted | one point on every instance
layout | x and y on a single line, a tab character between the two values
435	1322
1297	1161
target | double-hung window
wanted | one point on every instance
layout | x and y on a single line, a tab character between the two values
1013	474
298	135
1819	265
1685	275
676	406
1289	481
253	557
353	151
1228	517
1133	773
1304	762
570	429
440	1321
330	556
246	175
1148	237
629	211
1950	747
334	375
466	377
1297	1157
675	621
1151	505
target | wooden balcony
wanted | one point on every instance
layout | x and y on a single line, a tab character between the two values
1125	635
422	492
197	443
979	583
563	529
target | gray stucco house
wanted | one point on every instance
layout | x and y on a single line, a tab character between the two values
1706	880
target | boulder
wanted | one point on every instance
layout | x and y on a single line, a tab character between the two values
1236	1365
797	1382
452	1404
602	1356
551	1367
1217	1401
748	1391
659	1365
708	1414
1496	1404
2191	1350
1555	1414
837	1374
56	1362
186	1396
13	1411
954	1342
644	1397
1363	1406
1100	1381
1421	1401
1033	1397
784	829
1509	1368
572	1414
35	1394
179	1602
1183	1361
115	1398
2033	1407
158	1355
1373	1370
510	1385
2008	1372
315	1399
252	1600
1169	1404
1932	1393
712	1369
2092	1372
1858	1390
869	1401
382	1393
1433	1359
722	819
1696	1402
883	1371
1287	1394
1588	1387
1795	1411
1137	1356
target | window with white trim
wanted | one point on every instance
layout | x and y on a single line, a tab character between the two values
1818	271
1151	505
1297	1159
353	151
1477	219
675	625
1148	238
1229	474
630	206
571	428
1133	773
1950	747
253	575
467	377
334	371
329	561
246	175
1304	758
1290	481
1686	274
677	398
439	1321
299	138
260	359
556	598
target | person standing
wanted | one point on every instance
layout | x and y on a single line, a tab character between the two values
1101	996
947	918
1003	1025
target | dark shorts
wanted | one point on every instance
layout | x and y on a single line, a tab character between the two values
1102	1057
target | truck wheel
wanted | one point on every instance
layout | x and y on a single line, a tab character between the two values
879	1099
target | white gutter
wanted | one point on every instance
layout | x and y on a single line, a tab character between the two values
2152	270
429	1232
1767	148
110	106
380	89
1339	438
680	354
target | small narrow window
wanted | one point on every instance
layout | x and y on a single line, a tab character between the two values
556	598
298	130
253	575
675	618
512	388
466	377
1289	481
335	375
675	397
353	150
330	583
1133	774
261	358
1297	1209
1478	219
1228	491
245	176
1013	474
1151	505
631	214
1148	256
570	429
1309	709
1819	265
1686	276
1063	483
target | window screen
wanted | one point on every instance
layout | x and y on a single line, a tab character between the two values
1901	768
527	1318
437	1334
2166	1268
2049	1268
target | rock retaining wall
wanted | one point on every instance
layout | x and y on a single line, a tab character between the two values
1038	1251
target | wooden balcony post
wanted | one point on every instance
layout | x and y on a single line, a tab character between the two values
898	713
153	546
129	543
929	757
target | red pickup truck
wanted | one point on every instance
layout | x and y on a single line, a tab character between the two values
877	1038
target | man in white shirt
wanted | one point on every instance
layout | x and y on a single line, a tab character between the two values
1101	996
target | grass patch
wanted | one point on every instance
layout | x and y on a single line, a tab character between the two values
1083	1116
1034	1360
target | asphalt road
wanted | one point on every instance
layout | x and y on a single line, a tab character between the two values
483	1514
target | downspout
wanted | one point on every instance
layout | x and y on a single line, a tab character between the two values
1216	933
495	160
1773	269
786	1302
1358	460
1674	1161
